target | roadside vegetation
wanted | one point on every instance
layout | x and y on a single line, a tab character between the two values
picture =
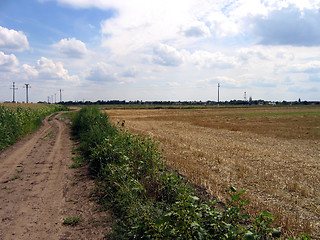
18	120
152	202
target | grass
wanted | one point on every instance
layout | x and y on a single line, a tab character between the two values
152	202
72	221
52	116
78	161
271	152
48	135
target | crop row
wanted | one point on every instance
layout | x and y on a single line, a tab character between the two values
152	202
17	121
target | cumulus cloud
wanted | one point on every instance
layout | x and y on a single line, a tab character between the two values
288	26
29	71
72	47
223	80
308	67
130	72
246	54
101	72
12	40
8	63
49	70
205	59
167	55
198	29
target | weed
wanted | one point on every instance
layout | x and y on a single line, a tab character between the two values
15	177
48	135
52	116
72	221
78	161
74	183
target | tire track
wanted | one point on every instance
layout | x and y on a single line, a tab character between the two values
37	189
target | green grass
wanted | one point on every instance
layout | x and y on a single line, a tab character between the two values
78	161
48	135
72	221
52	116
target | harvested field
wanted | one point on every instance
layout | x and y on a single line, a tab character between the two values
273	153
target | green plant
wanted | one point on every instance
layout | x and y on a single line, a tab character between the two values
15	177
16	122
302	237
71	220
78	161
52	116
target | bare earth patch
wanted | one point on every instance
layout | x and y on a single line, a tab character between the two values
273	153
38	189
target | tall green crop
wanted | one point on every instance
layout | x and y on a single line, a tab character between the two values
16	122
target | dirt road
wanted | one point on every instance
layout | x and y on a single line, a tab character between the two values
38	189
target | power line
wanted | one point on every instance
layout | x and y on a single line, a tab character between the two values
13	92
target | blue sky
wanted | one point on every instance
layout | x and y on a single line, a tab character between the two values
160	50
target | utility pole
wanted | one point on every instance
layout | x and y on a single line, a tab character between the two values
218	93
60	95
13	92
27	92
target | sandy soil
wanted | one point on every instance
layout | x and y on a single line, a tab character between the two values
38	189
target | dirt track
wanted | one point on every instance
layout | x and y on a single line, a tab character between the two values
38	189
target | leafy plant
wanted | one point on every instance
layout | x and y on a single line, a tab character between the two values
71	220
17	121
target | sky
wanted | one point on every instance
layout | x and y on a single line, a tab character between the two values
160	50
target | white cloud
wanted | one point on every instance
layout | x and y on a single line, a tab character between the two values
197	29
130	72
205	59
11	40
72	47
8	63
49	70
101	72
308	67
29	71
167	55
223	80
256	53
174	84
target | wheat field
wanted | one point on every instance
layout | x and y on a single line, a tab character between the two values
272	153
